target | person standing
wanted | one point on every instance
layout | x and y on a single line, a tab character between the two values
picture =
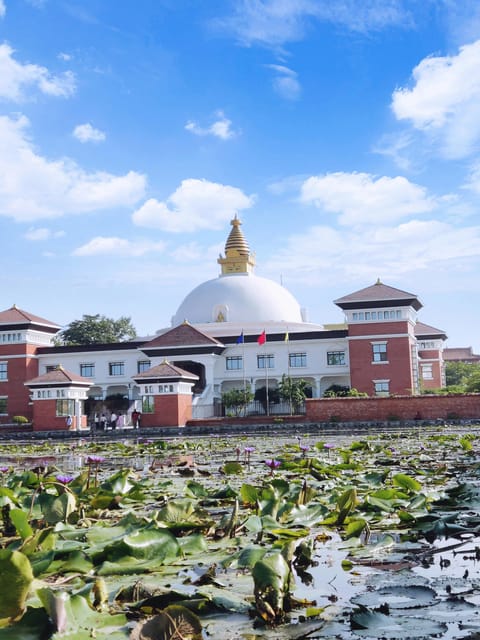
113	420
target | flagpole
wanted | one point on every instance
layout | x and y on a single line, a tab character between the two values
287	342
266	382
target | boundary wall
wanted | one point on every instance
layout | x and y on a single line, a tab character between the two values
393	408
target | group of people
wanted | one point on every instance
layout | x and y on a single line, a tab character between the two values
102	421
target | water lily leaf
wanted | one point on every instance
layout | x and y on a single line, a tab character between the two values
57	508
41	540
193	543
406	482
346	503
20	520
249	494
119	483
271	576
232	468
34	624
75	619
398	597
373	624
355	528
195	489
146	543
17	576
40	561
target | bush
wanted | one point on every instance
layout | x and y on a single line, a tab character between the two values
20	420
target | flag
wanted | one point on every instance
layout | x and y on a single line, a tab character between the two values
240	339
262	338
287	338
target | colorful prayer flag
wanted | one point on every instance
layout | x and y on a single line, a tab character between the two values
262	338
240	339
287	337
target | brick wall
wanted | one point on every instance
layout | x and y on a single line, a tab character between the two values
169	411
427	407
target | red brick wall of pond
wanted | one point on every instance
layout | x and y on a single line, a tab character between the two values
393	408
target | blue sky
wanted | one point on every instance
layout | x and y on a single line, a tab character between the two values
346	135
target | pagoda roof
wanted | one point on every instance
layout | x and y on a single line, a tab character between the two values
59	376
378	295
14	317
423	330
166	371
184	337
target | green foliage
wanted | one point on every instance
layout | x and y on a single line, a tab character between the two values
340	391
96	329
20	420
293	390
473	383
458	374
17	576
237	400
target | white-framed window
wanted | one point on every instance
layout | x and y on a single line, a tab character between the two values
234	363
428	344
65	408
266	361
427	371
379	352
297	360
3	405
116	368
51	367
165	388
143	365
335	357
87	370
3	370
148	404
382	387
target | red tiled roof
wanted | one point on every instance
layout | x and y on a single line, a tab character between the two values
460	354
378	292
182	335
166	370
422	329
58	376
14	315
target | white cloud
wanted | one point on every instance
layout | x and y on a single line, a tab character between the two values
221	128
42	233
3	9
474	178
15	78
87	133
33	187
274	23
394	253
64	56
360	198
285	82
119	247
445	100
196	204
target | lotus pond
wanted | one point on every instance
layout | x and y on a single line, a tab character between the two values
242	537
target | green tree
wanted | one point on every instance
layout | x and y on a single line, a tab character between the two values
458	374
237	400
96	329
473	382
293	390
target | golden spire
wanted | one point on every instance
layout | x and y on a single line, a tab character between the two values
238	258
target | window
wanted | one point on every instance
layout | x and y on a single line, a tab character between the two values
65	408
427	371
382	387
165	388
297	359
87	370
234	363
51	367
266	361
3	370
379	352
143	365
336	357
3	406
148	405
116	368
427	345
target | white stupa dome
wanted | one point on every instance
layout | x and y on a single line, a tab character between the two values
237	295
243	298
